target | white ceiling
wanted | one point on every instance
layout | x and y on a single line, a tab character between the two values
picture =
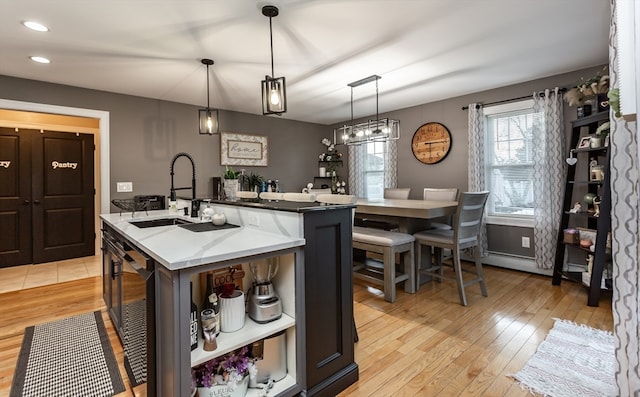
424	50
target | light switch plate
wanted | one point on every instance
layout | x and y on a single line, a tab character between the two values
124	187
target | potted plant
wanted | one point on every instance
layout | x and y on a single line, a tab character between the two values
226	375
589	92
255	180
230	183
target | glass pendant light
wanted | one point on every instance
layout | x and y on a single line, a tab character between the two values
208	118
274	99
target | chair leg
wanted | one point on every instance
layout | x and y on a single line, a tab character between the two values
459	279
437	253
418	263
476	256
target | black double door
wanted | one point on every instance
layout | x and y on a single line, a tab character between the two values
46	196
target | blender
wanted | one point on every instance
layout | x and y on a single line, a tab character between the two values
264	303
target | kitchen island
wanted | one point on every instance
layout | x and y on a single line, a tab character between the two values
313	242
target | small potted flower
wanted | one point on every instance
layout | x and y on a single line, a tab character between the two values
230	182
224	376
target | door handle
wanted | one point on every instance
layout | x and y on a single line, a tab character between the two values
26	202
36	201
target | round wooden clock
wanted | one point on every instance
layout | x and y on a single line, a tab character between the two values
431	143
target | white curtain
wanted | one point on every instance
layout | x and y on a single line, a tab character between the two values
549	169
357	161
477	166
625	232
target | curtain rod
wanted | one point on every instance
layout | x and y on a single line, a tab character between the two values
561	90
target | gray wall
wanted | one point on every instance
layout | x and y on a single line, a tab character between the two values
145	134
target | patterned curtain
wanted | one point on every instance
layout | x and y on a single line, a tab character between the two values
625	232
477	166
391	165
549	169
357	155
357	159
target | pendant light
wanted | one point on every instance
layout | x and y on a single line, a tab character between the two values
274	98
380	130
208	118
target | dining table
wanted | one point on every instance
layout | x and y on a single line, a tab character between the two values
410	215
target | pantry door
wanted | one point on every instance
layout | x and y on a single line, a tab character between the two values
46	196
63	196
15	197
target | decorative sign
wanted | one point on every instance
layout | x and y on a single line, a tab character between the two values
5	164
56	164
243	149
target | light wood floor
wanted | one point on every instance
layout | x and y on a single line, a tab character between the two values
422	345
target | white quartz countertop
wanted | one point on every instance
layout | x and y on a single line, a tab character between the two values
177	248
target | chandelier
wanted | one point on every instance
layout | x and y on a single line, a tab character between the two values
377	130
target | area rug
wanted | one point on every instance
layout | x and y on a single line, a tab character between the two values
68	357
135	341
574	360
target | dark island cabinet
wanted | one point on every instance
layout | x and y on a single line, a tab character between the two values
329	331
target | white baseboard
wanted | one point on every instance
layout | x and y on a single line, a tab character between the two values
513	262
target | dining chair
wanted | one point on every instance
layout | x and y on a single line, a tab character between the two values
440	194
303	197
319	191
271	195
246	195
397	193
464	234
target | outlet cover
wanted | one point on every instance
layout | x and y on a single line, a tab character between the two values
124	187
526	242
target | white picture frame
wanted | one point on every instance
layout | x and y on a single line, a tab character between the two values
243	149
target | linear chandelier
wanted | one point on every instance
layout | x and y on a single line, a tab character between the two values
378	130
274	98
208	118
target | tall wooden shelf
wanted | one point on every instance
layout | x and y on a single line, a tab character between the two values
563	269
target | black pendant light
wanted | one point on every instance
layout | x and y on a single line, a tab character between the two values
208	118
274	98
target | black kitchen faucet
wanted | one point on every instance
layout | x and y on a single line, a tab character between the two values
193	180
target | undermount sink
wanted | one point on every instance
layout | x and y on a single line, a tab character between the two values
159	222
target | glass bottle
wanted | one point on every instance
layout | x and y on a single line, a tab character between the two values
210	301
193	321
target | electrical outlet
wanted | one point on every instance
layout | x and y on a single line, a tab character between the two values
525	242
253	220
123	187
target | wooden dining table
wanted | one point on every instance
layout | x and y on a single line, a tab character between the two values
411	216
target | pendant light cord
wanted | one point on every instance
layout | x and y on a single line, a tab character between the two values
207	87
271	44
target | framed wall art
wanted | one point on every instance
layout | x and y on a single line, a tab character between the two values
243	149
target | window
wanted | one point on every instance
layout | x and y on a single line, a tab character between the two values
374	169
509	160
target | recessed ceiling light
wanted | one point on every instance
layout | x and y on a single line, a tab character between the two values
40	59
33	25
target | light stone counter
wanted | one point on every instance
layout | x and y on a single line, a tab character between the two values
261	231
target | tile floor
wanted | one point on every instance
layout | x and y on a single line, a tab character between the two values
28	276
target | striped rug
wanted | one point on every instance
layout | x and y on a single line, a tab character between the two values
574	360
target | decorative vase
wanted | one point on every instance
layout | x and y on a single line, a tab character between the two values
232	311
230	188
224	390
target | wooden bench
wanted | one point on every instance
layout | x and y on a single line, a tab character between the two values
386	243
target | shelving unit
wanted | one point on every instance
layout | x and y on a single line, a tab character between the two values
331	178
577	187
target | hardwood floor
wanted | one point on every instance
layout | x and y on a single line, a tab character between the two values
422	345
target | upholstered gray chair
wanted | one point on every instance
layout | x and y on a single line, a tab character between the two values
440	194
465	234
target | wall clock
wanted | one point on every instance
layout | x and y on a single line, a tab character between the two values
431	143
